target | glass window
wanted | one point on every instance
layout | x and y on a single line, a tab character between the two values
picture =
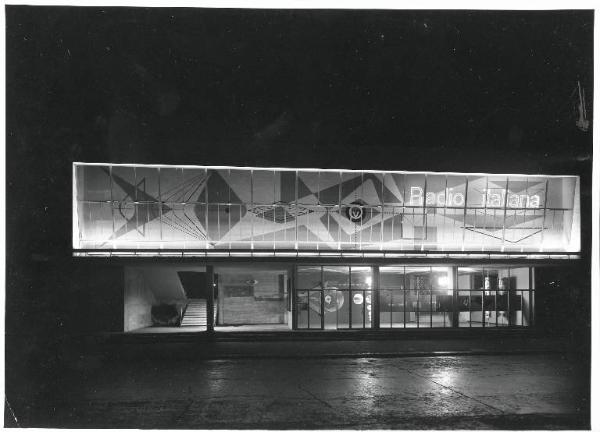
96	226
218	187
441	296
561	192
329	188
124	183
351	187
393	190
334	297
469	296
360	293
415	190
240	183
476	191
436	196
308	187
417	296
263	187
251	296
192	188
455	191
519	308
309	292
171	190
372	189
392	312
286	187
336	283
93	183
268	209
392	226
148	188
494	297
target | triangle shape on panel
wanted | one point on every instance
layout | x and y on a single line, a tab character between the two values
494	183
239	185
306	234
264	226
516	186
350	189
346	225
523	187
477	184
389	184
220	190
288	233
516	220
317	224
333	226
303	190
369	192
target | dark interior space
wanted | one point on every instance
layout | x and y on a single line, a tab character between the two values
194	284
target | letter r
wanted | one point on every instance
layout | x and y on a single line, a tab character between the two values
416	196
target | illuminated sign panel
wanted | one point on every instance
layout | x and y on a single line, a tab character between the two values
188	207
489	198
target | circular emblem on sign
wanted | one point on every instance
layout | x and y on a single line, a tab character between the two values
355	211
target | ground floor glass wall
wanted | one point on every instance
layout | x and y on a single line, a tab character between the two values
268	297
495	297
334	297
343	297
415	297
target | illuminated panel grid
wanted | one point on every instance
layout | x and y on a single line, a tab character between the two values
193	207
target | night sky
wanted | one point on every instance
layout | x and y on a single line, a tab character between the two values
399	90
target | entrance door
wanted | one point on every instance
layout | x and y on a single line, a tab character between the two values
333	297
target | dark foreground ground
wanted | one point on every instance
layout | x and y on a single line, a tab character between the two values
540	390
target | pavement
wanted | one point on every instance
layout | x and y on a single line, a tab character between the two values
319	345
491	380
500	391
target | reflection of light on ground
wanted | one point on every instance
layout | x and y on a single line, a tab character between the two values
445	376
367	385
217	379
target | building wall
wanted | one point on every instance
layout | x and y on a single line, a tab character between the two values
138	300
95	300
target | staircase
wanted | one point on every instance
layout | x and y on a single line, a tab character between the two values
195	313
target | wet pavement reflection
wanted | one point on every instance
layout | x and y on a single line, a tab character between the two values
414	392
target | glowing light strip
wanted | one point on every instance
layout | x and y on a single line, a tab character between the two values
336	170
321	254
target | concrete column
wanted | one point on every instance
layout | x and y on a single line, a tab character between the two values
210	299
455	306
375	298
531	294
292	290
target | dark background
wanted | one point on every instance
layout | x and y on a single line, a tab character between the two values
465	91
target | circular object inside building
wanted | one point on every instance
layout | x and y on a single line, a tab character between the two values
358	298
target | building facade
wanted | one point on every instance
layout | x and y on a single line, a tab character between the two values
276	249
